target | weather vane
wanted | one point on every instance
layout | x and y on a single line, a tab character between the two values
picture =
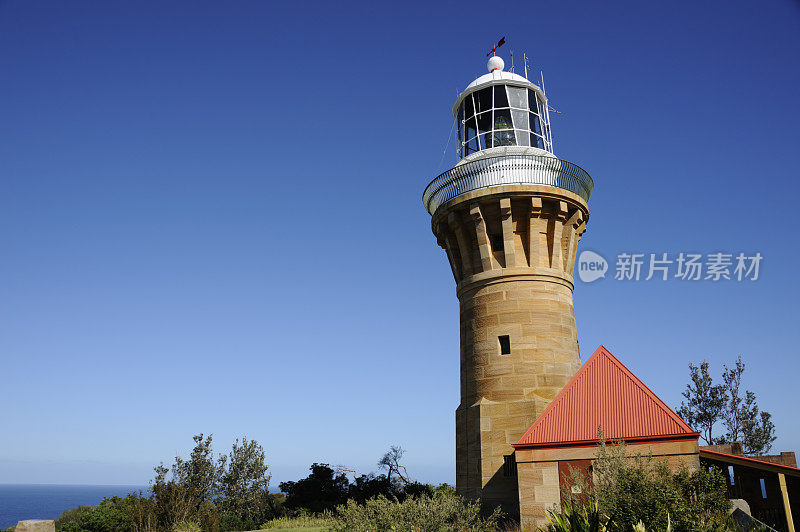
500	43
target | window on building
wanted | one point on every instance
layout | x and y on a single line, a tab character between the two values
763	489
505	344
509	466
730	475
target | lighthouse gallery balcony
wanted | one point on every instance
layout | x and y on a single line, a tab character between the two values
506	169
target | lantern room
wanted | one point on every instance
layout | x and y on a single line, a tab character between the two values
502	109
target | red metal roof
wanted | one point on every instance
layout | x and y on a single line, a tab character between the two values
604	394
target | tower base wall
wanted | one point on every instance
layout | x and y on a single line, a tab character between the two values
504	393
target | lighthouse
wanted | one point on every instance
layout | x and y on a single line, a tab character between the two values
509	216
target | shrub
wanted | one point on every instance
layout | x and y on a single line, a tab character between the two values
72	519
322	490
320	521
577	518
187	526
443	512
111	515
634	489
640	490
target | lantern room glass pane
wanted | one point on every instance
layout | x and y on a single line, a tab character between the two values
500	97
483	100
471	146
484	130
484	121
523	137
504	138
469	108
517	97
533	101
520	119
470	131
502	119
536	125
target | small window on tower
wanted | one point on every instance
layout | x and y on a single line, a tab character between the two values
763	489
505	344
509	466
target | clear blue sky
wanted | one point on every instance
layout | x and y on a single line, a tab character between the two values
211	222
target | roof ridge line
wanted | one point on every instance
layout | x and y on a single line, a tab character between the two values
643	387
652	419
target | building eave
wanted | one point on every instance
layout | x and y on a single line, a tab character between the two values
593	442
749	462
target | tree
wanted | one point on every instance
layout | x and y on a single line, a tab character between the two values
369	486
391	463
229	493
199	473
244	482
742	417
704	404
707	403
323	489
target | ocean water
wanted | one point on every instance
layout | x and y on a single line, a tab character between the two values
47	501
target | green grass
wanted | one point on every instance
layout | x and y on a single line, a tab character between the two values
299	524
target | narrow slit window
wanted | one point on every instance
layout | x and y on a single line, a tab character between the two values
505	344
509	466
730	475
763	489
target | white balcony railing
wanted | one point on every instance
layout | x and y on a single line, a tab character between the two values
507	170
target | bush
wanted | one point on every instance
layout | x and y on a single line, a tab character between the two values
320	521
577	518
636	489
443	512
73	518
111	515
631	490
187	526
322	490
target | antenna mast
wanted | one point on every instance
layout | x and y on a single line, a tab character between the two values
525	60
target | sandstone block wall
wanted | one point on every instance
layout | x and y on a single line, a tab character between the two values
512	253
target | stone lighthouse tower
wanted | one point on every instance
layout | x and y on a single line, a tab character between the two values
509	215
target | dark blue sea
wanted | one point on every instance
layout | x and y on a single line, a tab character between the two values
47	501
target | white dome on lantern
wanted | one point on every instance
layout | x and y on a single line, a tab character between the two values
495	63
